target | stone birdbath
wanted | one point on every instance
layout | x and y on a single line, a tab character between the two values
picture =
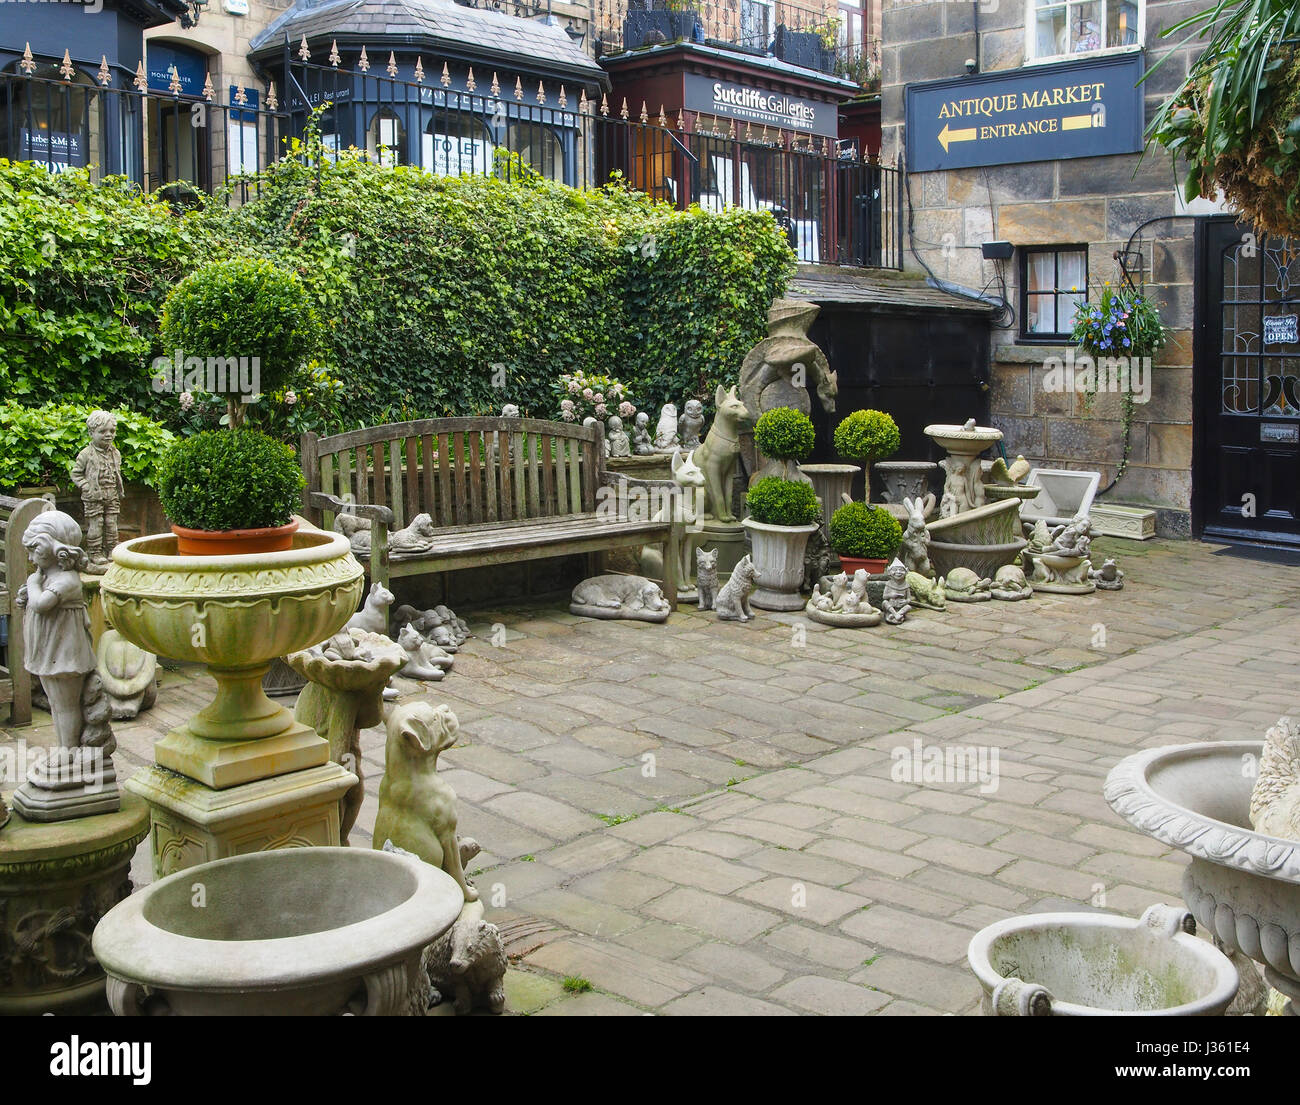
963	488
1242	885
344	694
290	932
1101	965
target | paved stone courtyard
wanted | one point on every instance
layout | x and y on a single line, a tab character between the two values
709	817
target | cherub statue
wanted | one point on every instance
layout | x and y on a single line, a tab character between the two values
616	440
896	602
1074	539
690	424
98	475
641	443
77	778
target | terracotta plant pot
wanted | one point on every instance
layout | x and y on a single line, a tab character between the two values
231	542
873	565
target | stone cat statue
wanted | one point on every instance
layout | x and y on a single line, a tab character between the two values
732	603
706	577
424	659
373	615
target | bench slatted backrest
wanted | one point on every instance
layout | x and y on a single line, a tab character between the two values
15	516
461	471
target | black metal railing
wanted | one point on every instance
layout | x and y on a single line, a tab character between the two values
835	208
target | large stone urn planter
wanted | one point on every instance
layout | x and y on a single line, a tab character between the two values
235	614
300	932
1241	885
833	485
778	556
1101	965
983	539
905	479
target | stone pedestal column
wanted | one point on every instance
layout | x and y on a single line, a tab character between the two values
56	881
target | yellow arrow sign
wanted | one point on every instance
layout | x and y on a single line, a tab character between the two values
946	136
1076	122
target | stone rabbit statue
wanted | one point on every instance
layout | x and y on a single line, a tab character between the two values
914	549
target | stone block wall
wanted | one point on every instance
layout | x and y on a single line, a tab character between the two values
1097	202
224	37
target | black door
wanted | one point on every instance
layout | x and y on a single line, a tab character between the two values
1246	461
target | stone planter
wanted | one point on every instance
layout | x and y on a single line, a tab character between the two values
904	479
833	484
57	880
1241	885
235	614
1101	965
983	539
303	931
778	556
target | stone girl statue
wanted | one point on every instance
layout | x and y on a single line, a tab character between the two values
77	777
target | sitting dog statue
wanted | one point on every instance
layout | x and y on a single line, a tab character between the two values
417	809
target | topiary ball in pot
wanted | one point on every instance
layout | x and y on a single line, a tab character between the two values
777	502
867	436
244	325
864	536
785	434
218	486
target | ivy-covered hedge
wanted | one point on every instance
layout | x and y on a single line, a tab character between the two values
38	445
455	295
84	269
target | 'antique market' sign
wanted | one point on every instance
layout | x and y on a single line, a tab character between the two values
759	106
1086	108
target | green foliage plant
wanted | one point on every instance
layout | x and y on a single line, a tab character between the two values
778	502
864	531
867	436
230	479
784	433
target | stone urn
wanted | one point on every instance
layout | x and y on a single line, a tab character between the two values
235	614
778	553
983	540
905	479
833	485
296	932
1242	885
1100	965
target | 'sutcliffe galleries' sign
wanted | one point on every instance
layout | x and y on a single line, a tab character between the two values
759	106
1086	108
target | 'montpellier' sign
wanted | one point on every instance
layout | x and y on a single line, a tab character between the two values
759	106
1086	108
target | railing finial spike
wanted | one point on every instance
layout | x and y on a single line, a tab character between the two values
141	81
334	53
363	62
67	71
104	76
469	81
28	63
303	51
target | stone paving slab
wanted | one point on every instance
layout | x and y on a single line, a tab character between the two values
714	818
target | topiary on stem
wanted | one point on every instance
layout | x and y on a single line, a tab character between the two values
867	436
224	480
777	502
785	434
233	311
866	532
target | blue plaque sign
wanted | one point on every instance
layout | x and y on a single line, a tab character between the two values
1086	108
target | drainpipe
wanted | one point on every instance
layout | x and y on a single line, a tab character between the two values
979	60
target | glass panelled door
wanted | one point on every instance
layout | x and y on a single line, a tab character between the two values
1247	459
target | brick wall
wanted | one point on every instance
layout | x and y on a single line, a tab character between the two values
1097	201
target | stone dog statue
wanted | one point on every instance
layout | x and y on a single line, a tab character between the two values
417	809
717	457
613	596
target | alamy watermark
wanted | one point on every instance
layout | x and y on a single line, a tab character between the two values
178	373
1088	375
951	763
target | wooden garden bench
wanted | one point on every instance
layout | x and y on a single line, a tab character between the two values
498	490
15	682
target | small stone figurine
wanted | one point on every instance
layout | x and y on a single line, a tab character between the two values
98	475
706	577
617	440
666	431
77	777
690	424
897	598
641	443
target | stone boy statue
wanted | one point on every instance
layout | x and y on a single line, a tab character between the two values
98	475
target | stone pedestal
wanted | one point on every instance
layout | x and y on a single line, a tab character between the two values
727	537
193	823
56	881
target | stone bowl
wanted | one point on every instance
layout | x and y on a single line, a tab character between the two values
983	560
996	492
990	524
290	932
1242	885
962	442
1101	965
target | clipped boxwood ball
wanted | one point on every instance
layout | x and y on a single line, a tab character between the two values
867	436
784	434
867	532
778	502
230	479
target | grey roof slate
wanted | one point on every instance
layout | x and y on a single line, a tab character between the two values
876	288
432	20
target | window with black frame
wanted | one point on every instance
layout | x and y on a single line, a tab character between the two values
1053	282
